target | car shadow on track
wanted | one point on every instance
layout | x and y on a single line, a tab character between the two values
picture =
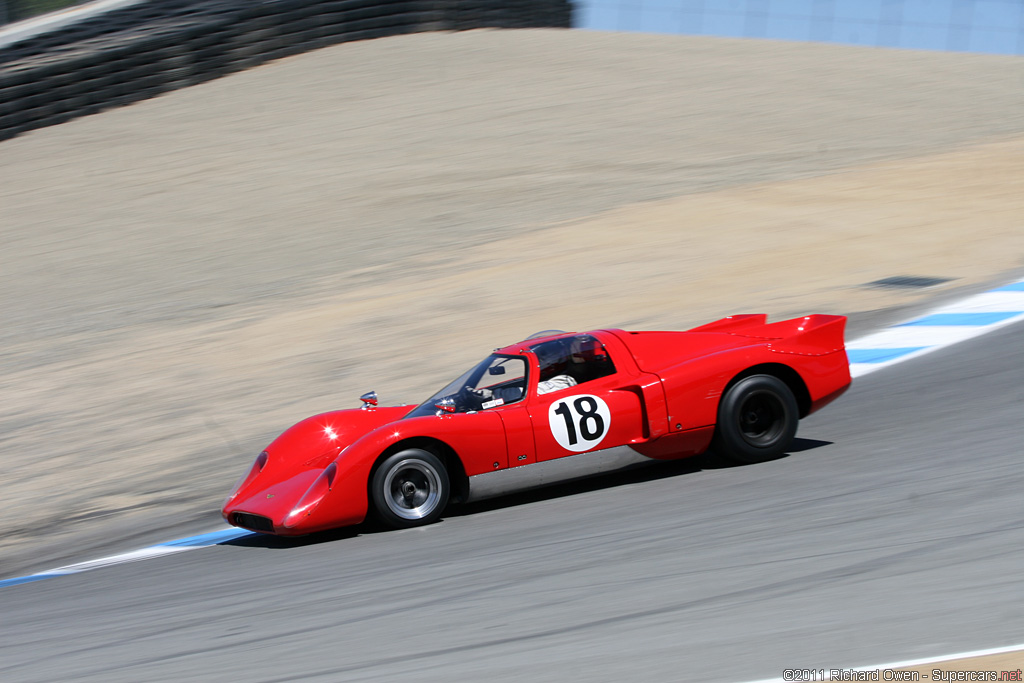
801	445
636	474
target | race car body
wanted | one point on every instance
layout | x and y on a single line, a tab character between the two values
738	384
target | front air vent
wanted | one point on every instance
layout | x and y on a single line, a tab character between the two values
253	522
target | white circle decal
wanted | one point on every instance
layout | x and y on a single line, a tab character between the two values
579	423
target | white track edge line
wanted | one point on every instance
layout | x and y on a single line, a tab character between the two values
966	305
147	553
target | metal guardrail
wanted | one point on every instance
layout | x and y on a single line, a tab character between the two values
140	51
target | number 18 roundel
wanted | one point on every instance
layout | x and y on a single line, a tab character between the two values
579	422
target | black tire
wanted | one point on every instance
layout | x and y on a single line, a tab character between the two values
757	420
410	488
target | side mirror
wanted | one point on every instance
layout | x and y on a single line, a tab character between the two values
369	400
445	406
496	370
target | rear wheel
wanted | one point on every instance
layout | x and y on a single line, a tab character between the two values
410	488
757	420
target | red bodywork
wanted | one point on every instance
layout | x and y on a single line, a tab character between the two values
662	401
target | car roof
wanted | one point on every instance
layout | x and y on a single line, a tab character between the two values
524	346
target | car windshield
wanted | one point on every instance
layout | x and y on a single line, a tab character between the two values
496	381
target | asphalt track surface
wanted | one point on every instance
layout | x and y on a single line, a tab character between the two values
894	530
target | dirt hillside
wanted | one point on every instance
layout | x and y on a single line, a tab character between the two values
183	278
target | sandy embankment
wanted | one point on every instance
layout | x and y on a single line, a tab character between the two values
183	278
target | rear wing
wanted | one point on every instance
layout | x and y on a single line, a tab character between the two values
734	323
812	335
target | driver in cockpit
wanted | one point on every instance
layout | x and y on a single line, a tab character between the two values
553	359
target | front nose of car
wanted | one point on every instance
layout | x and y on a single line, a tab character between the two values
267	509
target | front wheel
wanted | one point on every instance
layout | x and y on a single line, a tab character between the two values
410	488
757	420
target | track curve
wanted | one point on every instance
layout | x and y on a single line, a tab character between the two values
896	532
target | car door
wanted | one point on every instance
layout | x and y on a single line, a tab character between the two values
518	434
501	389
479	439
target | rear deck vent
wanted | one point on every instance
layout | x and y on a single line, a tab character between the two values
908	282
254	522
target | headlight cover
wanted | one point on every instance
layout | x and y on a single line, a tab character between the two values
312	497
257	467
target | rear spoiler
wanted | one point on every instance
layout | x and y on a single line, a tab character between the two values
810	335
734	323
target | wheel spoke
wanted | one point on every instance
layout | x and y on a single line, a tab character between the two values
762	418
414	489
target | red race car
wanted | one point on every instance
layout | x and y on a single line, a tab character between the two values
542	407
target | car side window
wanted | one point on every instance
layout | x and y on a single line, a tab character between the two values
503	382
571	360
